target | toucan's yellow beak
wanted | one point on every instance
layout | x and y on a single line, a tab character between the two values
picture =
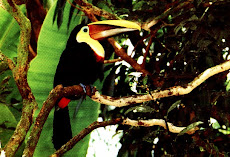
95	31
103	29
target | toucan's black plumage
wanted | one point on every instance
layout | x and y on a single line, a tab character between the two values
77	65
82	62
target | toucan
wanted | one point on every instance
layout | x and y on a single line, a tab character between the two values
81	63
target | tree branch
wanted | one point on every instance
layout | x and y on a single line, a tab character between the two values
25	26
56	94
146	123
172	91
40	121
112	61
159	122
71	143
20	76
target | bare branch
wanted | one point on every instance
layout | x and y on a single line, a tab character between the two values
172	91
112	61
71	143
145	123
160	122
25	26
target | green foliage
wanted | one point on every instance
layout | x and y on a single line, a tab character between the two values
9	34
173	106
105	6
188	38
7	123
9	93
191	126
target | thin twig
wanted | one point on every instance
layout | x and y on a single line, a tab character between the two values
112	60
4	58
147	49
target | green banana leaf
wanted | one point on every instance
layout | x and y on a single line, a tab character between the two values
9	122
9	33
51	43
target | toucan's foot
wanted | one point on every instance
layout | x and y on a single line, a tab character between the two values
83	86
91	88
82	98
78	106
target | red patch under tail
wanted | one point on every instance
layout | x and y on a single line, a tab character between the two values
63	102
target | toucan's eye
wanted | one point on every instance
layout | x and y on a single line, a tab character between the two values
85	29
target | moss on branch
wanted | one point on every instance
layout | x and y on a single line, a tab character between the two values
20	76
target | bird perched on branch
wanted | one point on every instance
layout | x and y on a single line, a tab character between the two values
81	63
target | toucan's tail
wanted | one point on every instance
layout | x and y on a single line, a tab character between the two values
62	132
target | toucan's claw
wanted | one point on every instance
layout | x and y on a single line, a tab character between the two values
91	88
78	106
83	86
82	98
